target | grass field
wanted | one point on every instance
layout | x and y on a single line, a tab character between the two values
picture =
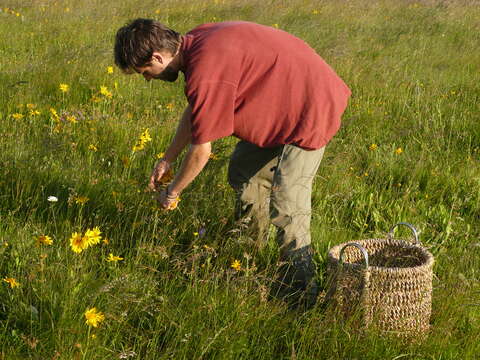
408	150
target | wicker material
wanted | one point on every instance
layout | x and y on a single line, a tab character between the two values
392	288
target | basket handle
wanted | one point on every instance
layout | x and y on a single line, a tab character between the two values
359	247
410	226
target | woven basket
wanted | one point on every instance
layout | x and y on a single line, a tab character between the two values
387	281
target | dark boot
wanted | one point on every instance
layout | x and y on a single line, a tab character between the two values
295	283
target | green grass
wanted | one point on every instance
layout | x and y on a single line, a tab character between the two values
413	70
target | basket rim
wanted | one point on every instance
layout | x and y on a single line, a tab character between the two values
334	254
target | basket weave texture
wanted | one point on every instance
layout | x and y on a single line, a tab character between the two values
393	292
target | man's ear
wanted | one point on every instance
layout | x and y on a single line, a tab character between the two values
156	56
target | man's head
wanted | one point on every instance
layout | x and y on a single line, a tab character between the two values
149	48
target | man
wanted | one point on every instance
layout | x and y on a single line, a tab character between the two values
273	92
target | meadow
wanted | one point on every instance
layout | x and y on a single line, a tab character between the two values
79	140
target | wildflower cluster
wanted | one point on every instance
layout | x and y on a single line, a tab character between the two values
105	92
31	112
142	141
78	243
11	12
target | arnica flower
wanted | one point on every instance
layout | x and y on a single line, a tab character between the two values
112	258
109	69
54	114
17	116
34	112
31	106
12	282
63	88
373	147
142	141
173	205
167	177
236	265
94	317
92	147
72	119
78	243
44	240
104	91
81	200
399	151
93	236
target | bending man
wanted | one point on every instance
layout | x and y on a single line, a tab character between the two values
273	92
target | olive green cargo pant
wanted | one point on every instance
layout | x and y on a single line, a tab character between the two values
275	185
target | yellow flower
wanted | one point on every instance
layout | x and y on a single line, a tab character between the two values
64	87
92	147
78	243
138	147
45	240
213	156
94	317
104	91
17	116
142	141
81	199
109	69
54	114
315	12
145	137
373	147
93	236
72	119
31	106
12	282
173	205
167	177
112	258
34	112
160	155
399	151
236	265
170	106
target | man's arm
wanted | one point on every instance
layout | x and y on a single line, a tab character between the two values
193	163
182	137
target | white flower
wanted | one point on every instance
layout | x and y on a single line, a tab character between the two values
52	199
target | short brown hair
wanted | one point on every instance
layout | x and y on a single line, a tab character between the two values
136	42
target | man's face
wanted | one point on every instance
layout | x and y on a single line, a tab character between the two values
161	67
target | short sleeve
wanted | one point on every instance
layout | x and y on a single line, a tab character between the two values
212	104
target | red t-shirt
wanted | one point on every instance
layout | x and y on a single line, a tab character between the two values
260	84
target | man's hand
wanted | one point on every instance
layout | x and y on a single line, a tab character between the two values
160	170
168	200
